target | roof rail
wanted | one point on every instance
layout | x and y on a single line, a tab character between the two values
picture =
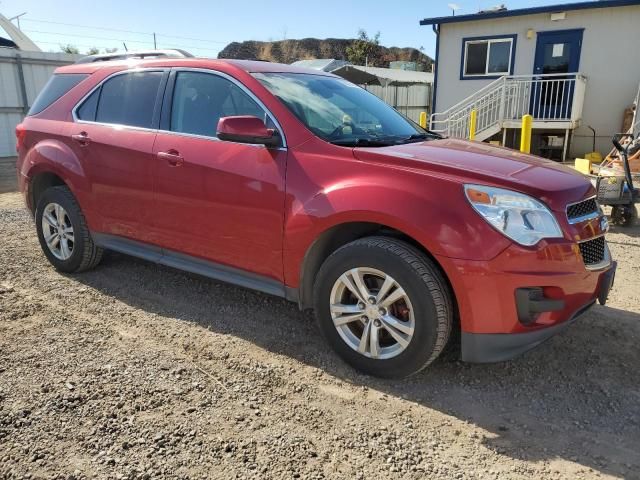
140	54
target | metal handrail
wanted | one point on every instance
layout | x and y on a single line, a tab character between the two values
549	97
470	97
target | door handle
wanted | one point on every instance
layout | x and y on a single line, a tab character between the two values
82	138
172	157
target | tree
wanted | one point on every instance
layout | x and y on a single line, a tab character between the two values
69	49
93	51
365	50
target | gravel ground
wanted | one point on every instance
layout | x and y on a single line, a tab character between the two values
8	181
140	371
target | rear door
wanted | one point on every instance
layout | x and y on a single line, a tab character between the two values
113	134
218	200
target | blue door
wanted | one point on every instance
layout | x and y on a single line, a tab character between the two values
557	53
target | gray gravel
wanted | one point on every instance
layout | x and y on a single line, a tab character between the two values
139	371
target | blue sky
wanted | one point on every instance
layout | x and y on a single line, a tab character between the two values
204	27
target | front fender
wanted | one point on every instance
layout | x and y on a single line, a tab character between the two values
434	212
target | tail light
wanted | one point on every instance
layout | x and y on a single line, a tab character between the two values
21	135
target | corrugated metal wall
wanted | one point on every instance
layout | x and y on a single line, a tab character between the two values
409	100
22	76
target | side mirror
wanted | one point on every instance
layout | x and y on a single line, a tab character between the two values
247	129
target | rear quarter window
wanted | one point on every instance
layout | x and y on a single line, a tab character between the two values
56	87
87	111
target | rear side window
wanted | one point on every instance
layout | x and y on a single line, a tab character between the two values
57	86
128	99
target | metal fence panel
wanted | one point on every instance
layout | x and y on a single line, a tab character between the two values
37	67
409	100
8	122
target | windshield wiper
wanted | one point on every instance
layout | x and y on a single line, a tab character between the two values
363	142
416	137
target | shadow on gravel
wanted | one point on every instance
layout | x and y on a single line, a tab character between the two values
576	398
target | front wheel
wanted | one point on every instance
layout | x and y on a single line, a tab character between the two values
63	232
383	306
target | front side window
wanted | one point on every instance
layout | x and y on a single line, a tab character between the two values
56	87
487	57
128	99
201	99
339	111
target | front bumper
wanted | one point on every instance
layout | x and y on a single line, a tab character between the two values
498	347
486	292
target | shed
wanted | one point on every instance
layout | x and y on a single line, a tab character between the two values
324	64
407	91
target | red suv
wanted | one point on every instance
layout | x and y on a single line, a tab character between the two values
300	184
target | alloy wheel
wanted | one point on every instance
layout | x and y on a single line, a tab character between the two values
58	231
372	313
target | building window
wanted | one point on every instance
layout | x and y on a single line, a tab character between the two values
487	57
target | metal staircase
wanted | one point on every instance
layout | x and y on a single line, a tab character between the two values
554	100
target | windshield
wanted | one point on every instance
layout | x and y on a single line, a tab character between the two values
341	112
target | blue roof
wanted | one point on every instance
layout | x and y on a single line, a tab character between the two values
529	11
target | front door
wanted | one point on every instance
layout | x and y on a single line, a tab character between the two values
557	55
217	200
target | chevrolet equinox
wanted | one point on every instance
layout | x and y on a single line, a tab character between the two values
297	183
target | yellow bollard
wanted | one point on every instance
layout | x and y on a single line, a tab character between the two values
525	134
473	119
423	119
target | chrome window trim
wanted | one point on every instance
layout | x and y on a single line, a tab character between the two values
79	103
171	132
606	260
583	218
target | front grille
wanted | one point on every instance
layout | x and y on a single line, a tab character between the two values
581	209
592	251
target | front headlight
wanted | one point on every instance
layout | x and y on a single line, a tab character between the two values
523	219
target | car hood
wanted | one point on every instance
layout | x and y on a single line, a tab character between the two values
553	183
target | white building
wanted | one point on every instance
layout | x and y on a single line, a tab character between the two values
571	66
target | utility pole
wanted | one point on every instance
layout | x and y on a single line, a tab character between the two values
155	46
17	18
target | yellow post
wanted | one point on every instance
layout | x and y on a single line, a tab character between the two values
525	134
423	119
473	119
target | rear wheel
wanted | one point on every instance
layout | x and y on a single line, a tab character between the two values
383	306
63	233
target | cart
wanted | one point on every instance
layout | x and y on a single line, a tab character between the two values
619	189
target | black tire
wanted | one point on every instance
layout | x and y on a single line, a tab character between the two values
425	286
85	255
624	215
